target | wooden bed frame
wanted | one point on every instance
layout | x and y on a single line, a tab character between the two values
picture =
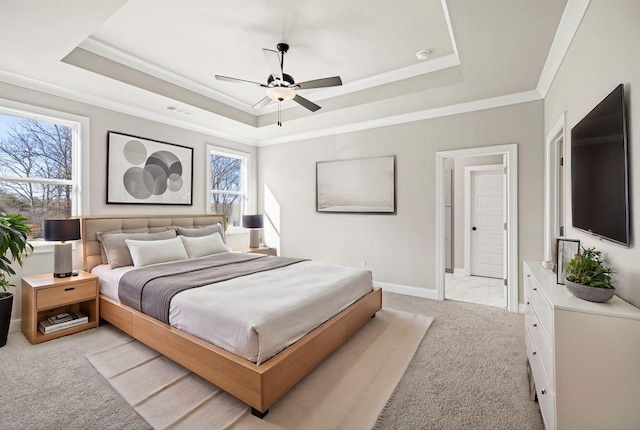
260	386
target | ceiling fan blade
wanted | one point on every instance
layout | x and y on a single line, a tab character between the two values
262	103
306	103
238	81
273	60
334	81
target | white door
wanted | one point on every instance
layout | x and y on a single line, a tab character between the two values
487	223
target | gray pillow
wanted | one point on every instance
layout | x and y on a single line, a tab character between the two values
201	231
116	248
99	234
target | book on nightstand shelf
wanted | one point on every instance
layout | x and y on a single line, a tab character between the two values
62	321
60	318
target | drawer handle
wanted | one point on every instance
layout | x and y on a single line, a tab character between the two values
535	289
543	392
528	276
535	325
535	352
70	289
528	303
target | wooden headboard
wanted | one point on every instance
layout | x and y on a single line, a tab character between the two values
91	225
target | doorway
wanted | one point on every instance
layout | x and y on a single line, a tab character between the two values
491	249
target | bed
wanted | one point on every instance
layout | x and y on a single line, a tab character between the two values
255	376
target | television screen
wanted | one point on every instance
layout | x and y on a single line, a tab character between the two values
599	171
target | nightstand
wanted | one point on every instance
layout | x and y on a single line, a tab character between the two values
44	295
261	250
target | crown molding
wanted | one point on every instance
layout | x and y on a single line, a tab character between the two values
476	105
112	53
447	18
421	68
56	90
571	18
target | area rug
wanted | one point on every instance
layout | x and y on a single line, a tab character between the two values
346	391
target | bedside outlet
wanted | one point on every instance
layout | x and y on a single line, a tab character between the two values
363	264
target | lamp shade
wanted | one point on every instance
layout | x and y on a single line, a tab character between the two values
252	221
61	229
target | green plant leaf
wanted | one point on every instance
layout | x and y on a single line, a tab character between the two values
588	268
14	230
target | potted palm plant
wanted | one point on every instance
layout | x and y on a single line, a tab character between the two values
13	246
588	277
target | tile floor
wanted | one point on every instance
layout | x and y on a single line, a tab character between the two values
475	289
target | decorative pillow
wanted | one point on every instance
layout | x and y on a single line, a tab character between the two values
201	231
99	235
204	245
145	252
116	248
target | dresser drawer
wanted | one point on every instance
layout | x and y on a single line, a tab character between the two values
541	306
65	294
544	390
541	346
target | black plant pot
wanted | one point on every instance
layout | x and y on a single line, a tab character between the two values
6	303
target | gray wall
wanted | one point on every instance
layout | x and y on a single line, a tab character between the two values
101	121
460	203
398	249
602	55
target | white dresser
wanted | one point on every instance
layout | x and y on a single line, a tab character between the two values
584	356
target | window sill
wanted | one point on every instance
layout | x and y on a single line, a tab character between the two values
236	230
43	247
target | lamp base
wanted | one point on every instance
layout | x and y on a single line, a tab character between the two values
62	260
254	238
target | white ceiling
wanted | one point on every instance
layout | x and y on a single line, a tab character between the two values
140	56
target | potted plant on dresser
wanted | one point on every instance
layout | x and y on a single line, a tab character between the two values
13	246
588	277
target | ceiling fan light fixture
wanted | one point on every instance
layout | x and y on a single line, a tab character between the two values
280	93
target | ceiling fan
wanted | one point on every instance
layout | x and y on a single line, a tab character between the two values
280	86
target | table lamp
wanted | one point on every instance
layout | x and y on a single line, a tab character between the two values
253	222
62	230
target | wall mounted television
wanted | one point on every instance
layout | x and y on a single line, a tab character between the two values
600	171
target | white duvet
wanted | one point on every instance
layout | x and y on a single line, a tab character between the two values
259	315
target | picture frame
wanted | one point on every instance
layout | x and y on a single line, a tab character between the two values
566	249
357	186
142	171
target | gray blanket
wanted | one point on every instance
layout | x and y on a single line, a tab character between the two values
150	289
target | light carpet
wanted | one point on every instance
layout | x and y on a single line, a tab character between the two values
347	390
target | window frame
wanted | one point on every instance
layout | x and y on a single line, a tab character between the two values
245	158
79	155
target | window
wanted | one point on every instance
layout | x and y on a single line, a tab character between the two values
37	175
227	174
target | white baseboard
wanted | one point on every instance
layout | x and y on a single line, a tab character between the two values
406	290
458	272
15	325
521	308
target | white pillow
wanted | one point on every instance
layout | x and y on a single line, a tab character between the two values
204	245
145	252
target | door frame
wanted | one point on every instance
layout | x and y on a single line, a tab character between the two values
468	170
510	152
552	182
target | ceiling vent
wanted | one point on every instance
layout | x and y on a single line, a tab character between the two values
179	110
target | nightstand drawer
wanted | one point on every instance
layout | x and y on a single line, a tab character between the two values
64	294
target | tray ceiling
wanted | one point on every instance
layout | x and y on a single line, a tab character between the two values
151	54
